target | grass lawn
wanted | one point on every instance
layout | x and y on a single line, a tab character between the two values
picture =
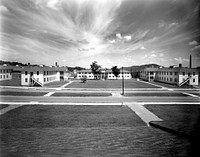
3	106
39	116
79	94
185	118
150	94
14	93
56	84
15	82
132	83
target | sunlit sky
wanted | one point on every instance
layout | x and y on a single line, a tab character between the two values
111	32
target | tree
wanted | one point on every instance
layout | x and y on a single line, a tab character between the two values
115	71
96	69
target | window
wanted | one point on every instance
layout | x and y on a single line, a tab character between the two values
183	73
26	80
175	80
170	79
170	73
193	73
193	80
175	73
37	72
26	73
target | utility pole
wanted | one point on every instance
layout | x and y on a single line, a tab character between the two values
122	81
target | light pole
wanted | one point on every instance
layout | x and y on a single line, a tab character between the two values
122	81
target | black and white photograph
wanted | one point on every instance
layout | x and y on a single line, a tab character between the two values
99	78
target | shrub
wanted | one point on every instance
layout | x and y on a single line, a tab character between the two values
84	79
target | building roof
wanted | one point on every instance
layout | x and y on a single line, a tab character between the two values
7	67
40	68
150	69
178	69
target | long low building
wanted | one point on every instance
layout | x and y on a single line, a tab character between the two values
34	75
105	74
177	76
172	75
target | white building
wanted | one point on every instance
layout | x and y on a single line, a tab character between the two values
105	74
148	73
39	75
6	72
177	76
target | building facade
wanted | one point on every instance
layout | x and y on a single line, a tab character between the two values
177	76
5	72
105	74
148	73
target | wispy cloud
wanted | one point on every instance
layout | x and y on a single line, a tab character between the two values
79	31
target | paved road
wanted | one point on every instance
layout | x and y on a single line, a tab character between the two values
131	95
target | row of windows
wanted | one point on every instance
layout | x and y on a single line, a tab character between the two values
5	71
171	79
147	72
175	73
189	74
127	76
4	76
102	73
167	79
49	79
45	72
167	73
49	72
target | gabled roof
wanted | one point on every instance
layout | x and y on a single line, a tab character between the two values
178	69
7	67
39	68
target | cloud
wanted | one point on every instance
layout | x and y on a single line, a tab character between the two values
181	60
54	4
118	35
193	43
196	48
127	38
3	9
143	48
153	55
167	25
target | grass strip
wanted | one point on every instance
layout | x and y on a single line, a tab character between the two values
156	94
3	106
16	93
81	94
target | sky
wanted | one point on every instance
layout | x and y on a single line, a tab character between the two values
111	32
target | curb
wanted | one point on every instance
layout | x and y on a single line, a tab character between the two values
170	130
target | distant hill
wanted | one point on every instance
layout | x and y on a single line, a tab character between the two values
136	68
12	63
75	68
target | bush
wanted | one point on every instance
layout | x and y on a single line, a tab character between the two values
84	79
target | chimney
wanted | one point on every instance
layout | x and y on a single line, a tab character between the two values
180	66
56	64
190	61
